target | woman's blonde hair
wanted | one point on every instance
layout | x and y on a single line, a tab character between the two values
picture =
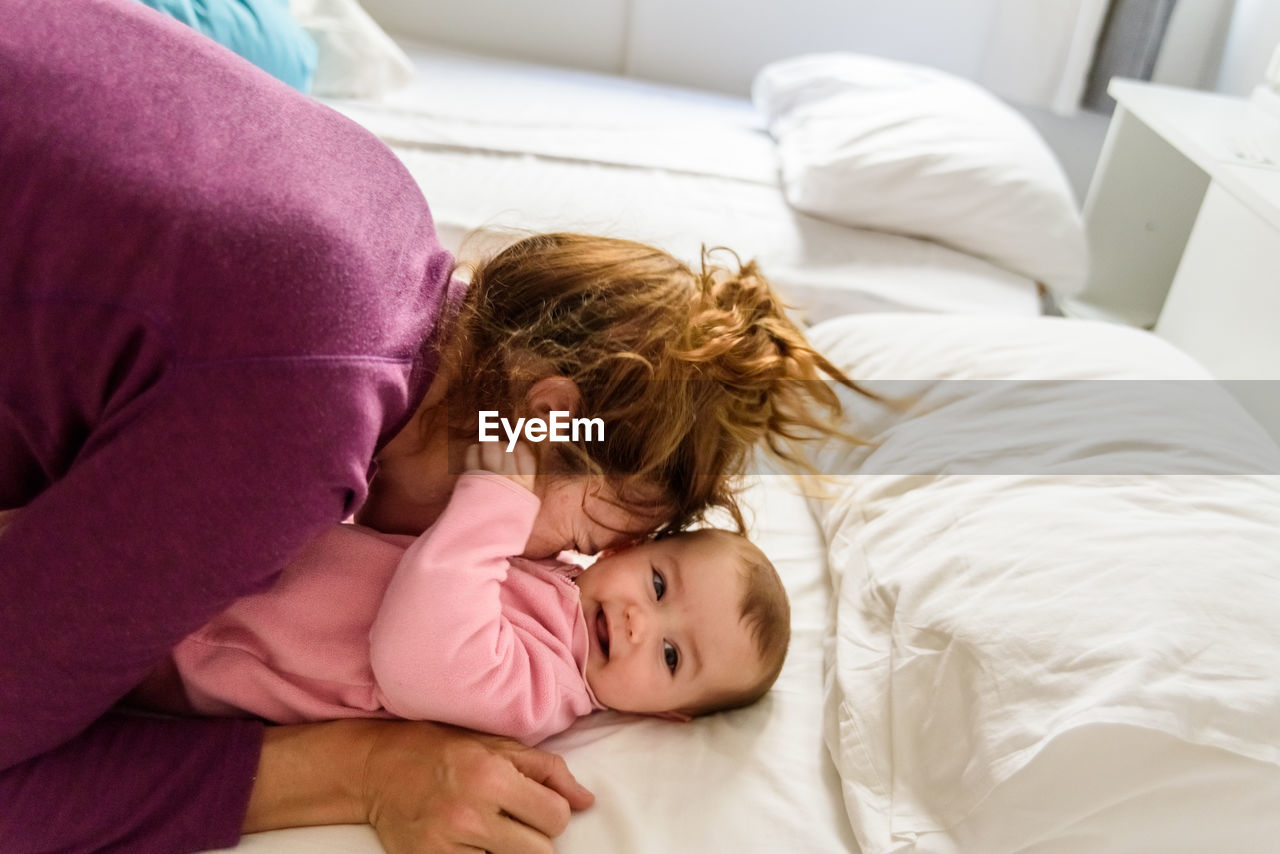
688	369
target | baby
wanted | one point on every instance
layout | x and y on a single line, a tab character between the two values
449	627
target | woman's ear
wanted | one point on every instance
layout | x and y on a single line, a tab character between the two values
554	394
608	551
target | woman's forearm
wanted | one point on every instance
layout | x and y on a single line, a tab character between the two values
310	774
424	787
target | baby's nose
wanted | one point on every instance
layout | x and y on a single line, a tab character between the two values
637	623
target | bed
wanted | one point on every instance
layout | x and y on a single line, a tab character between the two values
1036	613
501	146
1070	652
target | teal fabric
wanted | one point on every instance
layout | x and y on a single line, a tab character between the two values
262	31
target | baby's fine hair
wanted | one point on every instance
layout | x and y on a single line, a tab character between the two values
688	369
766	612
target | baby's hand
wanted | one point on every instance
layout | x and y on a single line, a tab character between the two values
519	466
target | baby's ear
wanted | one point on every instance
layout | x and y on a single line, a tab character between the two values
679	717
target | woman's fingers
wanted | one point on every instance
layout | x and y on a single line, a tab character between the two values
550	772
433	788
508	836
535	806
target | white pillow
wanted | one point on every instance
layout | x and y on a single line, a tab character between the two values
356	59
1048	629
874	143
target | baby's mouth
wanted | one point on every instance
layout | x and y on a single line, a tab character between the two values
602	632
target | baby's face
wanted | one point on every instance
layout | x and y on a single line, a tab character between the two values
664	626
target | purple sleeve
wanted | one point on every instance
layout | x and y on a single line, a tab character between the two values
217	297
206	766
119	559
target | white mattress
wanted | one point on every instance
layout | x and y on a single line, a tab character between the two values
504	145
753	780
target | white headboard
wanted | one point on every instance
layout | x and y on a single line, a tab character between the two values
1022	49
1027	50
590	34
719	44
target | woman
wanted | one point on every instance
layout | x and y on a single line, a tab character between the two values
226	324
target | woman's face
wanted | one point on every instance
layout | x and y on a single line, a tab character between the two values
581	512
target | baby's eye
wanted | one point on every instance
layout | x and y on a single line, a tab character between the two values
659	583
671	655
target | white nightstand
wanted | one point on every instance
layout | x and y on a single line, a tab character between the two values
1183	220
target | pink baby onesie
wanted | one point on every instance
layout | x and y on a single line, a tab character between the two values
451	629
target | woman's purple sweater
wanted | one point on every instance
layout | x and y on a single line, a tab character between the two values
217	298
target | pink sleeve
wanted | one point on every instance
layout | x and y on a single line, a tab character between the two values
442	647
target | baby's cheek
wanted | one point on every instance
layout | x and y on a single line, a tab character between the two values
615	691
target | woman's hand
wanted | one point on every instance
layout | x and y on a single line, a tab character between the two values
424	787
482	791
519	466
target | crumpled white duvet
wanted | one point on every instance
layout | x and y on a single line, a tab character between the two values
984	620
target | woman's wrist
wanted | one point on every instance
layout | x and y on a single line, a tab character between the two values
311	774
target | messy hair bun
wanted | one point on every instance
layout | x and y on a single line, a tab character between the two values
690	370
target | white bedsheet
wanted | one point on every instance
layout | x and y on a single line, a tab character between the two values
753	780
499	145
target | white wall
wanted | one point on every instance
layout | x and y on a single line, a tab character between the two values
1192	47
1254	34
